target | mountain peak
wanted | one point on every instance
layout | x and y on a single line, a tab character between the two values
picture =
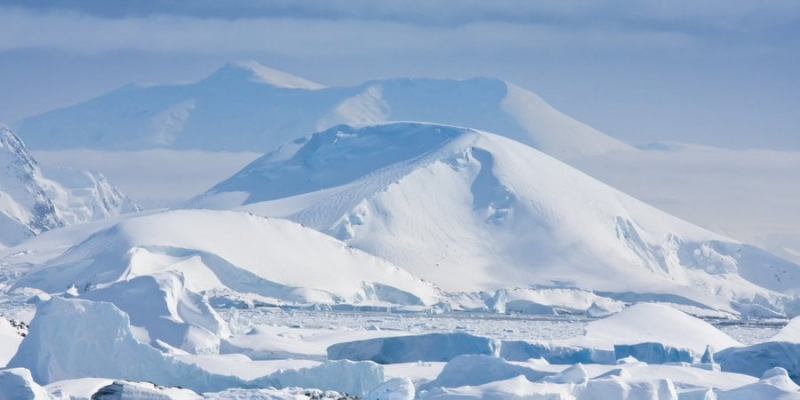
254	72
31	203
470	210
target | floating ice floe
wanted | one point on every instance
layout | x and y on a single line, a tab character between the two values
427	347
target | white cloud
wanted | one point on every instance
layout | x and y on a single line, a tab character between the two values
81	33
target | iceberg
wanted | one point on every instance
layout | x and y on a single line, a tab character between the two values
168	310
18	384
402	349
76	338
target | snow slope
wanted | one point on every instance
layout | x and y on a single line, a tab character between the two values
232	251
246	106
654	323
32	202
472	211
790	333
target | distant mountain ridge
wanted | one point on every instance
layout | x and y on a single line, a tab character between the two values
32	203
246	106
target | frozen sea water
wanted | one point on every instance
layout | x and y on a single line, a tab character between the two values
751	332
499	326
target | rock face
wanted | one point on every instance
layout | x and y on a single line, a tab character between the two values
32	203
25	207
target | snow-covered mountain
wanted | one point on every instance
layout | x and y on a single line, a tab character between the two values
246	106
470	211
25	208
31	203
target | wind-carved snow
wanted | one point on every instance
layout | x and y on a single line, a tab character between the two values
472	211
168	310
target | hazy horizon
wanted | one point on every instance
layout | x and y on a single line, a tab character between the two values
717	73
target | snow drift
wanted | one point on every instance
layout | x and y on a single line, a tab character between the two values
232	251
440	200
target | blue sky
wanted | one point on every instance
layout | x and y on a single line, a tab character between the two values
723	73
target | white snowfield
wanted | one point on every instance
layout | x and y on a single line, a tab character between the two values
255	107
673	328
440	201
278	260
32	202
